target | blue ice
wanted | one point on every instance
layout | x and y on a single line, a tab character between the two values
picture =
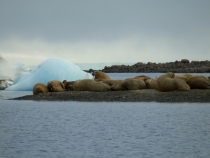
50	69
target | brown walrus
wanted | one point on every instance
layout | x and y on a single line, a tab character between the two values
87	85
184	77
99	75
134	84
141	77
151	83
40	88
199	82
116	85
66	83
167	82
56	86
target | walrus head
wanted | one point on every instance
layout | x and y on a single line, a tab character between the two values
68	85
69	88
64	83
170	74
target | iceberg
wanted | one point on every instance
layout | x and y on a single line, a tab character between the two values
21	68
9	72
5	83
50	69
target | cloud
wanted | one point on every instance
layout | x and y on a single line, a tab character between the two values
101	20
126	49
105	31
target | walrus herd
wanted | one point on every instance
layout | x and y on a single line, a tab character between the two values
102	82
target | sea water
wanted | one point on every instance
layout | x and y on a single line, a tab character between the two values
103	129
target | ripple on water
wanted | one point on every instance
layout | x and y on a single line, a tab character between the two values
78	129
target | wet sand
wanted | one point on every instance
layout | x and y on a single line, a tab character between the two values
145	95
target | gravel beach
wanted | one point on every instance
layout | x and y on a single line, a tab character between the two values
145	95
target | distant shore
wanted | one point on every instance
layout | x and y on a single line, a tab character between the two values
183	66
145	95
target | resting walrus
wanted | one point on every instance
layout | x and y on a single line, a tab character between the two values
151	83
141	77
56	86
116	85
99	75
167	82
87	85
184	77
199	82
134	84
40	88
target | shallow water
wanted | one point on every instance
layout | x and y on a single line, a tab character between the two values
76	129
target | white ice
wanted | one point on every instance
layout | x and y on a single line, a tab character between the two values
5	83
50	69
9	72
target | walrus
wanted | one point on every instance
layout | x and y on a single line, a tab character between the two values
199	82
167	82
56	86
184	77
100	75
141	77
151	83
88	85
66	83
134	84
40	88
115	85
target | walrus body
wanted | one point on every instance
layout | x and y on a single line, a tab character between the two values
188	76
184	77
68	85
181	78
88	85
99	75
116	85
134	84
40	88
141	77
199	82
151	83
167	82
56	86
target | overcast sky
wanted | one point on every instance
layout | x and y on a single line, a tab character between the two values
94	31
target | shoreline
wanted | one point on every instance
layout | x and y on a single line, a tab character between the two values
183	66
145	95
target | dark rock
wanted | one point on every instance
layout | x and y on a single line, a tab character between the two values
185	61
183	66
144	95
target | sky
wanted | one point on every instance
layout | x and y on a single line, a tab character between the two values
104	31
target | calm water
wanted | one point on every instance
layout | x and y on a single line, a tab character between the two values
129	130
